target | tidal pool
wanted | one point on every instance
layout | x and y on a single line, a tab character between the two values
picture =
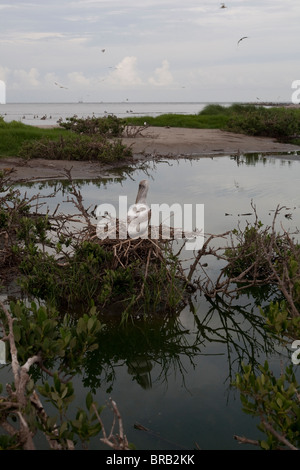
173	376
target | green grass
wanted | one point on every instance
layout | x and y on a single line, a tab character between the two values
14	134
213	116
194	121
280	123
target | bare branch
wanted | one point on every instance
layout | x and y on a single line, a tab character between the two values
115	441
245	440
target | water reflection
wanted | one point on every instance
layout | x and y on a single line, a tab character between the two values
155	350
220	183
139	347
142	363
225	185
240	328
252	159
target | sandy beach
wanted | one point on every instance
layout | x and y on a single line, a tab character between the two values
152	142
203	142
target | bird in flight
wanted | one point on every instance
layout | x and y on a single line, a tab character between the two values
244	37
223	5
60	86
102	50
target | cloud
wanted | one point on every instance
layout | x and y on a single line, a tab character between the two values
2	7
62	40
4	73
25	79
44	39
126	72
77	78
37	36
162	75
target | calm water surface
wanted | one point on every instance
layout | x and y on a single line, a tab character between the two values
173	376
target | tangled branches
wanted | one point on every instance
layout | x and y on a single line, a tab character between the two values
256	256
60	259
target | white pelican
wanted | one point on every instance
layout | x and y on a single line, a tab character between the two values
138	214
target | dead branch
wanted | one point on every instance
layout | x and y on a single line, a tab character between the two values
204	251
131	131
115	441
245	440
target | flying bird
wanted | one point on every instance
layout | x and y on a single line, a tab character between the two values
223	5
60	86
102	50
244	37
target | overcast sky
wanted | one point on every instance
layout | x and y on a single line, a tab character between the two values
149	50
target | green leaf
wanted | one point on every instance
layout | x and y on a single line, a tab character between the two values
264	445
89	400
57	382
81	327
63	427
17	332
90	323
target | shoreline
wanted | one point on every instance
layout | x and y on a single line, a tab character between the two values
153	142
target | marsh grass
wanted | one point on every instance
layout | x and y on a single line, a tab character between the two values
24	141
278	122
15	133
213	116
76	147
17	138
194	121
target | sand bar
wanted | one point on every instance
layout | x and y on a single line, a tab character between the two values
153	142
202	142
